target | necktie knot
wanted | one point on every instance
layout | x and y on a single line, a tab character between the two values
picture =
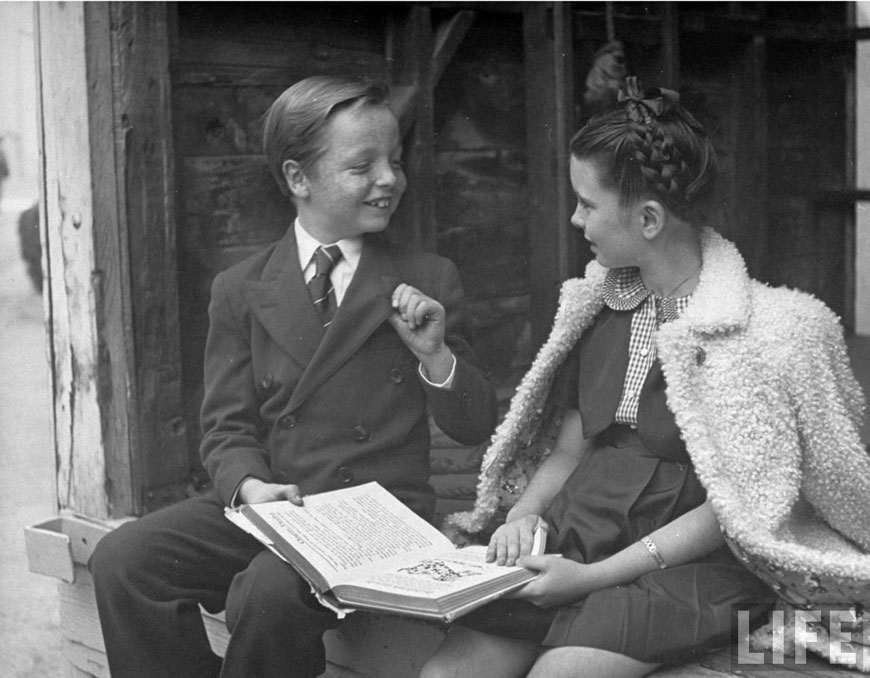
320	286
325	259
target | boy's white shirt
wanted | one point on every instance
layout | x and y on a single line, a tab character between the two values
342	274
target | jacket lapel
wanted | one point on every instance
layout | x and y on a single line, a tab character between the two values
722	301
280	301
366	305
720	305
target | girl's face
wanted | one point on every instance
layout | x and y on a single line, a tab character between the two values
614	232
355	185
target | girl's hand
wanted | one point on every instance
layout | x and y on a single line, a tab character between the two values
562	581
514	539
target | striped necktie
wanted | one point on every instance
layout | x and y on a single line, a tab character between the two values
320	286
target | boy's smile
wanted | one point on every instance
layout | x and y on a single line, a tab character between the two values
355	184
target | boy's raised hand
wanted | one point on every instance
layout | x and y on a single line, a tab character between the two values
420	322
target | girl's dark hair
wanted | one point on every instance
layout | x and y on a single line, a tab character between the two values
294	122
652	148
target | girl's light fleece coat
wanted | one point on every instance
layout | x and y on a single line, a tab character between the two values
760	384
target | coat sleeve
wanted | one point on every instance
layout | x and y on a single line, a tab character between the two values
467	411
233	445
830	407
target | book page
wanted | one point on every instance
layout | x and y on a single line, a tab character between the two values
436	575
344	530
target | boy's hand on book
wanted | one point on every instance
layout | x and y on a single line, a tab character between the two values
255	491
514	539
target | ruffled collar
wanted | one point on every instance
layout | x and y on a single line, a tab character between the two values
624	289
721	302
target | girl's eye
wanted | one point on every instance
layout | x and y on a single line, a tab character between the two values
361	168
398	164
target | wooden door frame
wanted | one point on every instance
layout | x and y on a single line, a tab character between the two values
108	228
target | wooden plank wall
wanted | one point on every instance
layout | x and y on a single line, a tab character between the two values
145	179
481	186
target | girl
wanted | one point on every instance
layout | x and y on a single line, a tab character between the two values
690	408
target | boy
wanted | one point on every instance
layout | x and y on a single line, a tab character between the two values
324	354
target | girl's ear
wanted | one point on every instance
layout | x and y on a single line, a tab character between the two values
653	215
295	177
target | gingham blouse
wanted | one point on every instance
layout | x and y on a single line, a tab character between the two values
624	291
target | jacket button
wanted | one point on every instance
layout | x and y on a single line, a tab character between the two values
287	422
397	376
361	434
345	474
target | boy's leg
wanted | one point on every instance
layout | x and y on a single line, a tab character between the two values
276	624
151	574
466	652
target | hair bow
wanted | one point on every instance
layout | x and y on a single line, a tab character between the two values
642	103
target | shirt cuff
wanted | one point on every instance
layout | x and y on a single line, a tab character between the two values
234	500
447	383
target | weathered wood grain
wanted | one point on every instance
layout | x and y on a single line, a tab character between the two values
548	46
230	201
77	283
145	167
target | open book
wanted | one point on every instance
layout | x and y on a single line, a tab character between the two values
361	547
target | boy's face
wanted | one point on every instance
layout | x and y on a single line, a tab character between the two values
356	184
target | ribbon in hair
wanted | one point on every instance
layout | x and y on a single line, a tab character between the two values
644	104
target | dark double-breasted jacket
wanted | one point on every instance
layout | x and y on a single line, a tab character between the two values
286	401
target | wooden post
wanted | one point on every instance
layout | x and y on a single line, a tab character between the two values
548	49
850	237
111	293
670	45
409	51
146	189
418	57
752	150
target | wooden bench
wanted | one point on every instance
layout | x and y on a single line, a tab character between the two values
364	646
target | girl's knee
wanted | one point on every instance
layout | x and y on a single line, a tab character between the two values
438	667
465	652
588	662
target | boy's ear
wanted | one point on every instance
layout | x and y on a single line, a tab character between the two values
653	216
295	177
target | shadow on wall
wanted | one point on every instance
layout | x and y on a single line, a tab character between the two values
31	250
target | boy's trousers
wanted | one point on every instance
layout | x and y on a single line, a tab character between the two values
152	574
